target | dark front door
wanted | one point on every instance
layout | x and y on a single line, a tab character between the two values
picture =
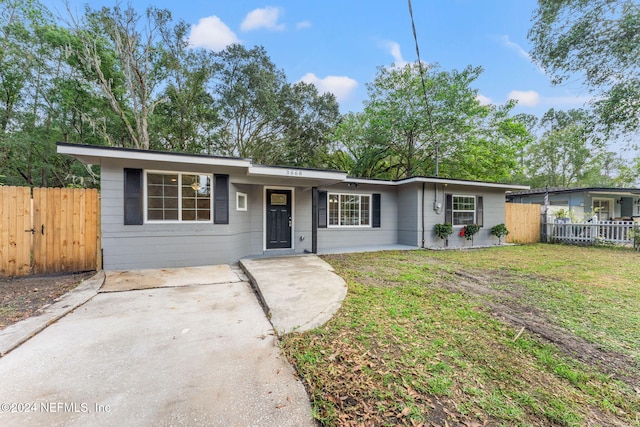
278	219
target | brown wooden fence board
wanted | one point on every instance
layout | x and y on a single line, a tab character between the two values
69	242
65	222
15	218
523	222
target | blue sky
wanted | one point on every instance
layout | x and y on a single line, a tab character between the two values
338	44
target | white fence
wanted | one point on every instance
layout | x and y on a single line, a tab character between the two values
590	232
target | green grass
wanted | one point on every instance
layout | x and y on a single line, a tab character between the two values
404	349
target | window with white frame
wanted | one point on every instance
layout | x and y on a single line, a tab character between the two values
349	210
464	210
175	196
241	201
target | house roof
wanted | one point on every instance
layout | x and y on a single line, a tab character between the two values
558	190
92	154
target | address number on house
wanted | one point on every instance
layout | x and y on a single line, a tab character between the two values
294	173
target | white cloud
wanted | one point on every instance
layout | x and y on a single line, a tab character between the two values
394	49
303	24
484	100
521	52
211	33
262	18
341	86
527	98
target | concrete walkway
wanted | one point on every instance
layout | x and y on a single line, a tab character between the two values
298	292
181	347
14	335
186	352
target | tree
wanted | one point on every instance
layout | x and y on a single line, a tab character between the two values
598	40
121	53
398	131
187	118
564	151
266	118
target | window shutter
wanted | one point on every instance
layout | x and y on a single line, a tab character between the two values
448	209
133	194
375	205
221	199
479	211
322	209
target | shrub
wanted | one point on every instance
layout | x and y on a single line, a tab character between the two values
499	231
443	231
469	230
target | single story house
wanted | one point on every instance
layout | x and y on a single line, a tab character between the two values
607	204
162	209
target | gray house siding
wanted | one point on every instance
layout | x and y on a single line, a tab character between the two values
172	244
408	214
334	237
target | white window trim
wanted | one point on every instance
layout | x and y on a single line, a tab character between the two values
239	196
453	211
370	196
179	220
612	205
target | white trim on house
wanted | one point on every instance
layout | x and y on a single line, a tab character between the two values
92	155
242	207
462	182
360	195
275	171
145	197
264	216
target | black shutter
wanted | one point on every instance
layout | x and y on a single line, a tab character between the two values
479	211
133	182
375	206
448	209
221	199
322	209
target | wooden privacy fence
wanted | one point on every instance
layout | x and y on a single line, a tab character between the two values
56	230
523	222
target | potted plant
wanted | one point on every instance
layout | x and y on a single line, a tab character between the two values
499	231
562	216
468	231
443	231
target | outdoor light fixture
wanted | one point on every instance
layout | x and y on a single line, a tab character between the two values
620	201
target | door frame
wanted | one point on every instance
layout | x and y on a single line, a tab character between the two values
264	215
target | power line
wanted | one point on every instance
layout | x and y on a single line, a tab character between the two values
424	86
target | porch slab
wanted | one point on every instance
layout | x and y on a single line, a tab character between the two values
298	293
129	280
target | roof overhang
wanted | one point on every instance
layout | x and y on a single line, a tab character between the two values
447	181
91	154
284	172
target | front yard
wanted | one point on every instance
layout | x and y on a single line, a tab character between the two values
521	335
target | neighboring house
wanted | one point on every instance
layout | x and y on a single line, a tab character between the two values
161	209
605	203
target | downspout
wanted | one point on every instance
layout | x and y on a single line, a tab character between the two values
423	184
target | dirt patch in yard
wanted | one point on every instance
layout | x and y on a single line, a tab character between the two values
506	300
21	297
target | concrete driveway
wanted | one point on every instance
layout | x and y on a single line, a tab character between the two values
191	353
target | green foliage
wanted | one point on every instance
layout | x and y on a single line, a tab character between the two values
443	231
596	41
392	139
469	230
499	231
